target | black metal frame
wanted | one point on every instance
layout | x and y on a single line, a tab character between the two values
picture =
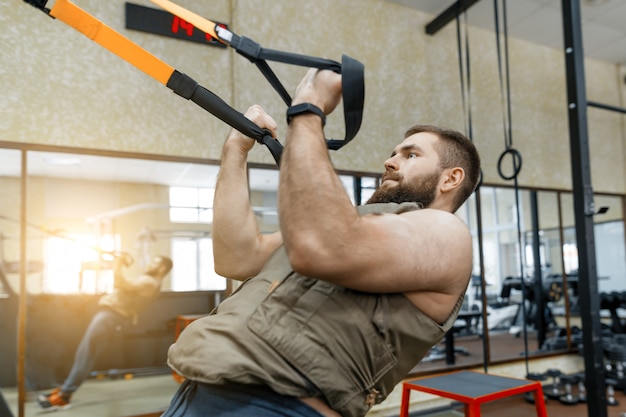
449	15
583	210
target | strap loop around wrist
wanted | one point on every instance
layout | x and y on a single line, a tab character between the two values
304	108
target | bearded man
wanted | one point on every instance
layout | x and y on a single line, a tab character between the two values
342	302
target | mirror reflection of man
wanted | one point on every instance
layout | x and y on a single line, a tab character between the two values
116	312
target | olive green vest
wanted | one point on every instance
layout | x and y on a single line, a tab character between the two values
127	303
309	338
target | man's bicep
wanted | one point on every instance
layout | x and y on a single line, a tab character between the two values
416	251
247	265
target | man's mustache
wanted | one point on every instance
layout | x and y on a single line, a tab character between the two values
391	176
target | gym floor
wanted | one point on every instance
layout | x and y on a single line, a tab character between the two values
139	396
149	396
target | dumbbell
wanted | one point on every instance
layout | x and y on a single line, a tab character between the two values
554	390
569	398
582	390
610	392
530	395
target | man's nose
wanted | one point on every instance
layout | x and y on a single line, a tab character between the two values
391	164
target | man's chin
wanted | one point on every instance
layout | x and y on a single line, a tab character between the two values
389	184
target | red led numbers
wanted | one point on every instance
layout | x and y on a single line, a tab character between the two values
178	23
181	24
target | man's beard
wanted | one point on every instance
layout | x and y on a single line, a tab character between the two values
423	193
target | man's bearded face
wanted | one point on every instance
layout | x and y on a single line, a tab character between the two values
423	193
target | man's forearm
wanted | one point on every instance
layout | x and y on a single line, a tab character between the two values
235	231
313	204
231	208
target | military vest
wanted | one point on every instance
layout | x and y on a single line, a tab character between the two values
305	337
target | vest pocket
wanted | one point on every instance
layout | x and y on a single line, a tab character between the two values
319	329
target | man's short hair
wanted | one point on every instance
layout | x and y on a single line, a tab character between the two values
454	150
165	261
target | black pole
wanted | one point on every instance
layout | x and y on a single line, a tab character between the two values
540	303
483	283
23	300
606	107
357	188
449	15
583	210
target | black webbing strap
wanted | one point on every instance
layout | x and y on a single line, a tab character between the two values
352	71
186	87
353	89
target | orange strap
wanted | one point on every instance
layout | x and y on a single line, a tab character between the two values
102	34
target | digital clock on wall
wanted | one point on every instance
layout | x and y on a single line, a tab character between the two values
160	22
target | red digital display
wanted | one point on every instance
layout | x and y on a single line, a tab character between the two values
160	22
178	23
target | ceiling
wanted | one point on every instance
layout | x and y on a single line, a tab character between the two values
537	21
541	22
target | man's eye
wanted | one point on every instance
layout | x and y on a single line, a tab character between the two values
412	155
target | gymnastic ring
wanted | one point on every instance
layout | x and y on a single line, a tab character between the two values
517	157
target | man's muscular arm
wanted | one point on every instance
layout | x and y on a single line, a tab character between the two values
239	249
426	250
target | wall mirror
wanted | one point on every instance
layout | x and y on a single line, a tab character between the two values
81	211
530	305
610	258
10	196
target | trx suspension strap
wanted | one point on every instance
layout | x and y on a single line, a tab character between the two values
352	71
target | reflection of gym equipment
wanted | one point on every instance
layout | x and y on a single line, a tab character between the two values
555	389
533	376
571	389
612	301
448	352
610	392
569	398
502	313
551	291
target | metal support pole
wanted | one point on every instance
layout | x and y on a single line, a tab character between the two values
358	187
483	284
606	107
23	300
540	303
583	209
449	15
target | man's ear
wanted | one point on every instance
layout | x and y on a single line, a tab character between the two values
452	178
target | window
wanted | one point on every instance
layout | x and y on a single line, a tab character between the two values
191	205
74	266
368	186
359	189
193	266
